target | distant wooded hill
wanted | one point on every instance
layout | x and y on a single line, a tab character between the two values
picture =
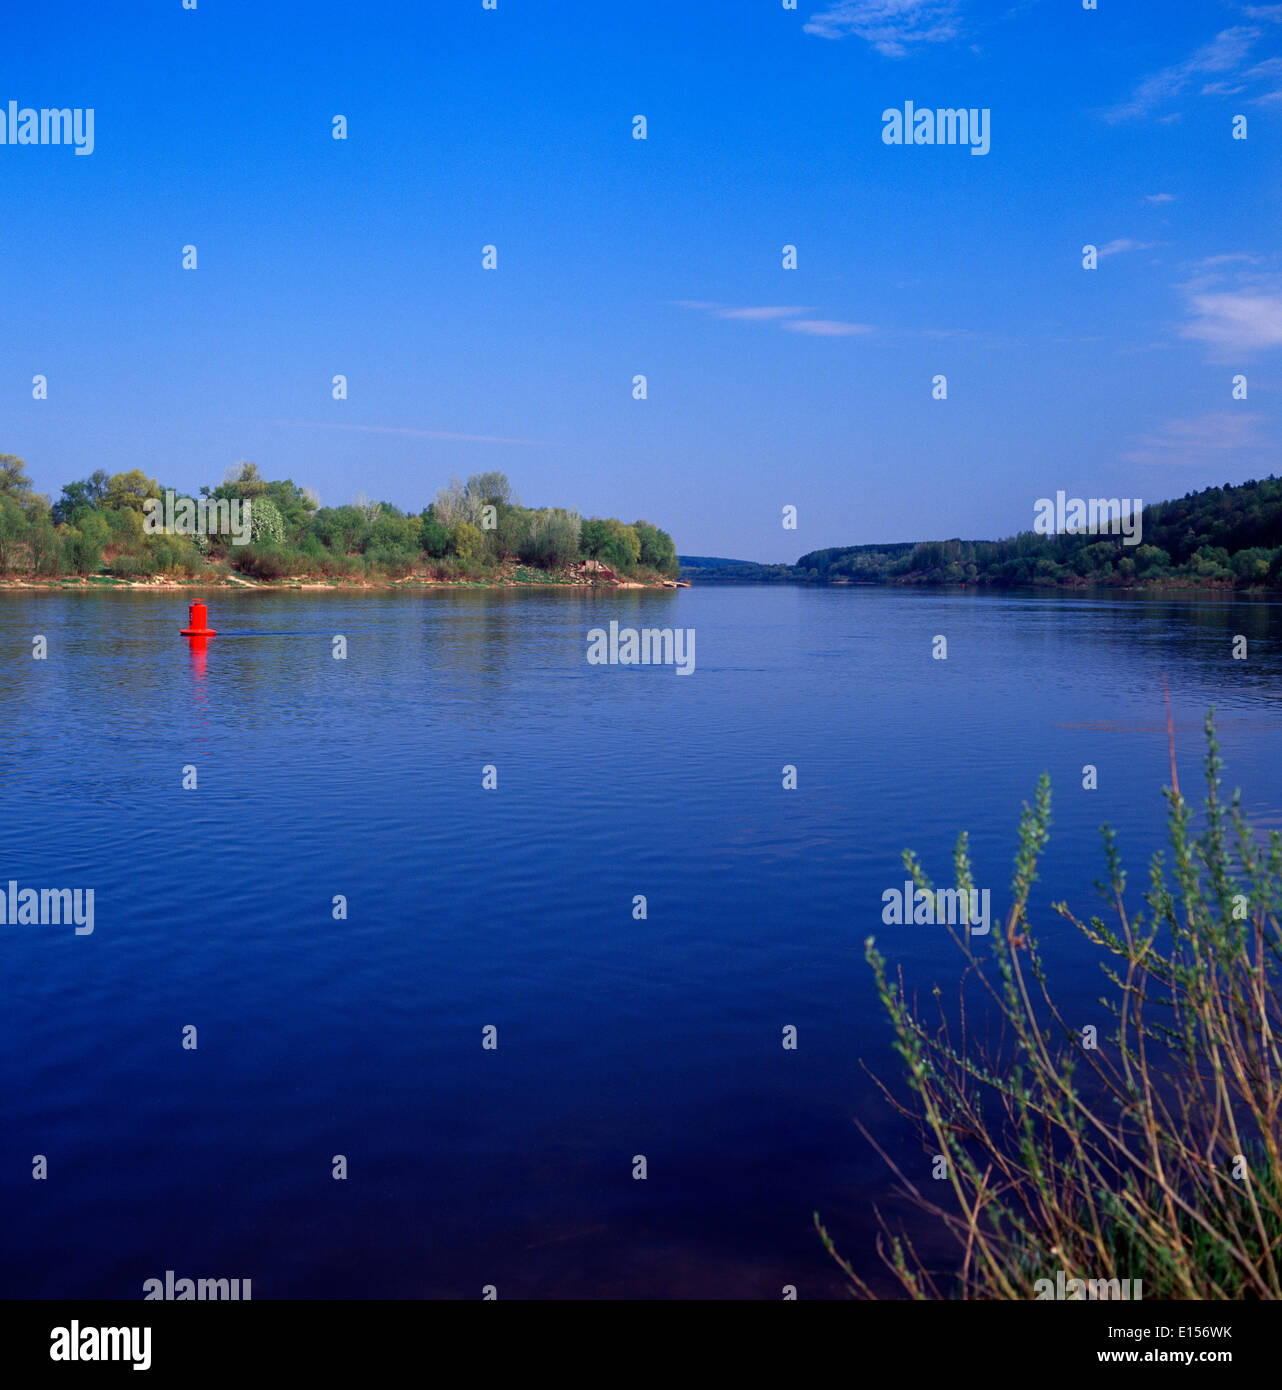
1222	537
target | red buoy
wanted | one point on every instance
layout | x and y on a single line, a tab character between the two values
197	621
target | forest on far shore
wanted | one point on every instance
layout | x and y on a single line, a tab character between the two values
1220	537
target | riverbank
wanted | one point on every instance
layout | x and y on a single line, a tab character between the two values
519	578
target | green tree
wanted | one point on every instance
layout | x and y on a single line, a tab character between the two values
294	503
128	491
1150	560
125	527
594	535
491	488
1251	566
657	550
393	533
266	525
433	538
13	532
1211	562
623	548
14	483
553	539
243	480
468	543
339	529
512	531
45	546
84	542
454	504
88	494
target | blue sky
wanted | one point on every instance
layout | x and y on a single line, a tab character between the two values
766	387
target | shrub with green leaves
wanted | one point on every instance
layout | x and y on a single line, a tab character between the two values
552	540
266	562
467	542
1155	1154
128	565
266	525
434	539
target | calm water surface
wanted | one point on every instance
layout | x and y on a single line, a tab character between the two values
513	908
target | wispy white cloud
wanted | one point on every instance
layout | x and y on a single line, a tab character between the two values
1213	263
1124	243
1221	66
764	312
828	328
396	429
786	315
892	27
1205	439
1233	305
1237	321
1159	197
966	334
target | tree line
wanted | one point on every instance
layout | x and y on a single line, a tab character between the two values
471	530
1226	537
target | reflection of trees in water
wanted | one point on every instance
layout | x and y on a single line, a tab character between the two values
1191	638
489	641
